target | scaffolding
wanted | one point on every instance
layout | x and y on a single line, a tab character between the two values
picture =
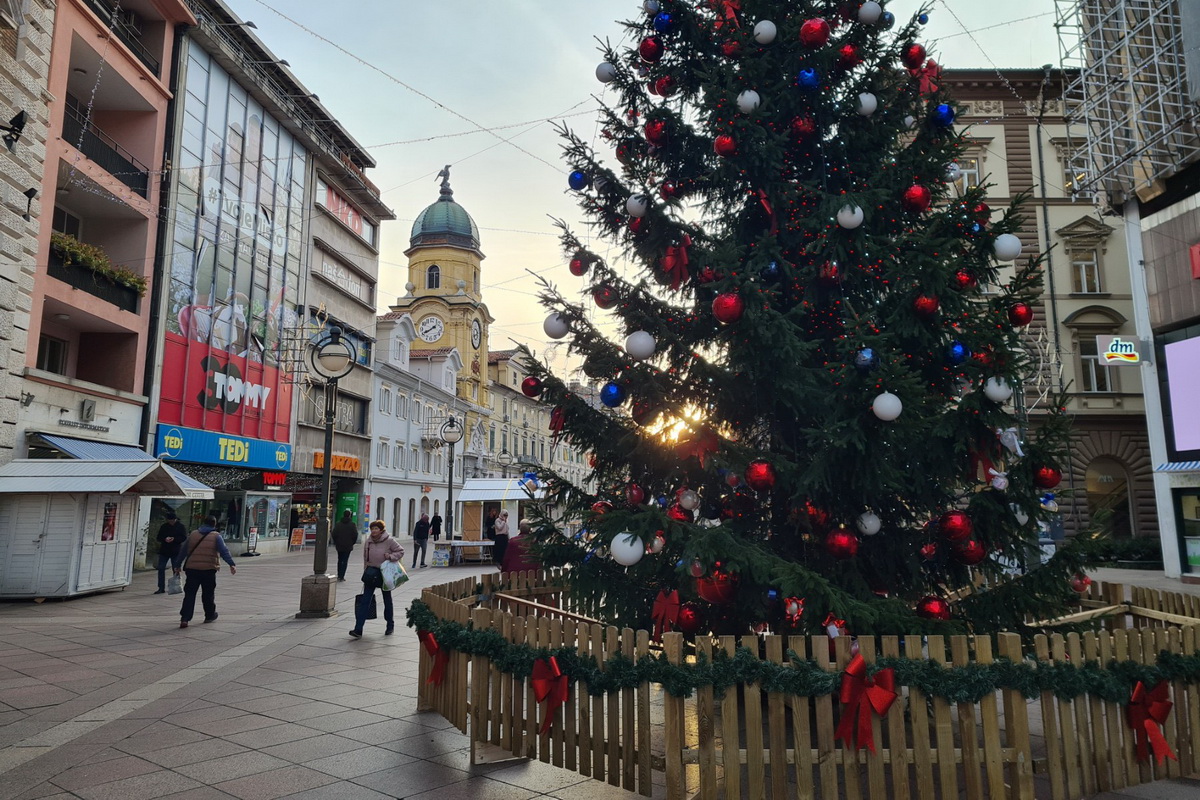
1129	95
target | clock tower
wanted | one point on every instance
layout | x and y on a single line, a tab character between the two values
443	291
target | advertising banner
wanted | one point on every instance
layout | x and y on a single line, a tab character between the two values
205	447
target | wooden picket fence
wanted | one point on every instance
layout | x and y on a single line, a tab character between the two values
753	744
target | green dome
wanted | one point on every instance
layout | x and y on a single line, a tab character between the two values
445	222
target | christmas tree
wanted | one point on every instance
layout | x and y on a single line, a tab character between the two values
807	418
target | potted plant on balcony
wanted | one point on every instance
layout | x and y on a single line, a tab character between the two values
73	252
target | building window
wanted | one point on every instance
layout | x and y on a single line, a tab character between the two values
1085	241
428	461
385	400
433	277
398	457
970	168
52	355
417	413
1085	272
66	222
492	438
449	380
381	457
1095	376
476	281
416	460
399	349
402	406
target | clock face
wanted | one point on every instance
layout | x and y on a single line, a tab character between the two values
430	329
476	334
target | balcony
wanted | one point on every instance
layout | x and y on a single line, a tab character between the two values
125	31
104	151
80	276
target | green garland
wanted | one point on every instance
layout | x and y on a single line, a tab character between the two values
803	678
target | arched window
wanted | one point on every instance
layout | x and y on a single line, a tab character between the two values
396	515
1108	502
380	506
433	277
412	516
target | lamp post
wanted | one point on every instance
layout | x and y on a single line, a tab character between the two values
331	357
506	459
452	434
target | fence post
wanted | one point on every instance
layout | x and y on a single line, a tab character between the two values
481	711
1016	718
673	718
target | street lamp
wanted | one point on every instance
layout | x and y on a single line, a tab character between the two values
331	357
452	434
506	459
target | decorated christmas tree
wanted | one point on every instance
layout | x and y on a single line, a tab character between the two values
810	365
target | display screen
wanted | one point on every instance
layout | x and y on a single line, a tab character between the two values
1181	375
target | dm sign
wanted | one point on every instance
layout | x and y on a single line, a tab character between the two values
1115	350
205	447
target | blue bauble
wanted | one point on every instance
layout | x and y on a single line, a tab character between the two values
943	115
866	360
976	228
663	501
612	395
923	19
772	595
663	23
771	272
958	353
809	80
579	180
887	21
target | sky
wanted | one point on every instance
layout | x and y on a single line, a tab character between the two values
475	84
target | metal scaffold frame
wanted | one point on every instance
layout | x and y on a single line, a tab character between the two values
1129	96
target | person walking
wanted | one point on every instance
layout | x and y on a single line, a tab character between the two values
518	556
435	526
202	555
170	543
489	524
500	537
378	547
420	539
345	536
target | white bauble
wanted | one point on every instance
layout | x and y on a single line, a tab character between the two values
1019	513
658	544
556	326
640	345
627	549
748	100
651	6
997	390
910	121
606	72
867	103
870	12
637	205
689	500
887	406
868	523
1006	247
765	32
953	172
850	217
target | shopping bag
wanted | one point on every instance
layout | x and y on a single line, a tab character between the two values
393	575
174	585
364	606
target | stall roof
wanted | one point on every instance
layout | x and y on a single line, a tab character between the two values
1179	466
92	450
63	476
477	490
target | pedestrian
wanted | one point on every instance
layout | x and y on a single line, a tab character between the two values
345	536
170	543
378	547
489	524
202	555
435	526
420	539
500	536
519	556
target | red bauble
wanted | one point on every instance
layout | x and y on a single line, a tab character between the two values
931	607
690	619
558	418
814	33
829	275
760	476
578	266
656	131
651	49
638	225
679	513
982	212
1020	314
601	507
849	56
1046	477
803	127
605	296
725	145
914	56
531	386
731	49
964	281
728	307
670	190
841	544
1081	583
634	494
917	198
665	86
955	526
718	588
925	305
929	552
970	552
706	275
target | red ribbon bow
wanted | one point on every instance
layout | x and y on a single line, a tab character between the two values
860	694
1147	710
766	204
929	77
665	612
549	682
727	11
441	657
675	262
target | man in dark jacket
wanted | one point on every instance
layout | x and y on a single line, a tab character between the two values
435	526
170	538
345	536
420	539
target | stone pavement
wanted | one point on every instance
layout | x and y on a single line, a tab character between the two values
105	697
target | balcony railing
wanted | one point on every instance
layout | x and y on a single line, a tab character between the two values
82	278
106	11
104	150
